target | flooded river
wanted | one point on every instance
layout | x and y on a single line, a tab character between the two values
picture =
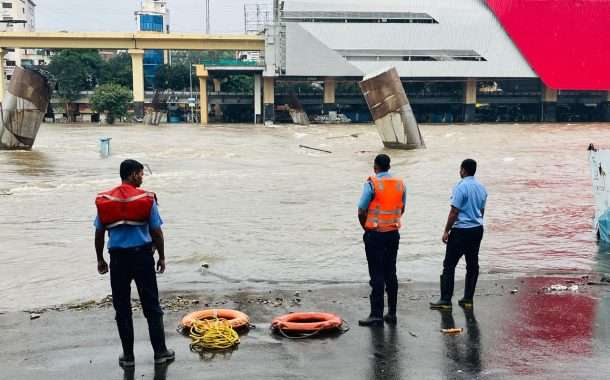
262	211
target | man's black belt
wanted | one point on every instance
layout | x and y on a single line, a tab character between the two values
146	248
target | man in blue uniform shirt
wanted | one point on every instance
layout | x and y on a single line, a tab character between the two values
463	234
380	209
131	251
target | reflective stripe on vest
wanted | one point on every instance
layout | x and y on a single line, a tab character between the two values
385	209
126	222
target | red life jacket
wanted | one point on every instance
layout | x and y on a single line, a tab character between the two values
124	204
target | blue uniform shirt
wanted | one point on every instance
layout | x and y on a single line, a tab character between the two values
368	192
469	196
125	236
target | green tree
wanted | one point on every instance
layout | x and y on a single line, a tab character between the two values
239	83
112	99
173	77
75	71
118	70
348	88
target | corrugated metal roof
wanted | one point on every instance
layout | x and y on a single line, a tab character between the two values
463	25
307	56
346	14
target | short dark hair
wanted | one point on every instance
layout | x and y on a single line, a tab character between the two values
383	162
128	167
470	166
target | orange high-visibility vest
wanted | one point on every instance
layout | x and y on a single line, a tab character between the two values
385	209
124	205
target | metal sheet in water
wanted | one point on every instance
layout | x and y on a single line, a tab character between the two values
389	105
23	109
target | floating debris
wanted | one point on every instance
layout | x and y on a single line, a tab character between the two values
312	148
452	331
354	135
593	283
561	288
34	316
23	108
386	98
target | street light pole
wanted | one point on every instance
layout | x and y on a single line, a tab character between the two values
207	16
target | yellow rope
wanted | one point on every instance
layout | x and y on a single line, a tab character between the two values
212	334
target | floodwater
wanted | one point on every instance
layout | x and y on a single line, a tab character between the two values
261	211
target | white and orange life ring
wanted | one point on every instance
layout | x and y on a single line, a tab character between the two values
236	318
307	322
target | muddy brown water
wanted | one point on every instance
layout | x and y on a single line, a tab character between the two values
261	211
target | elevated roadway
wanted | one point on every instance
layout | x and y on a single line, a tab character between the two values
135	44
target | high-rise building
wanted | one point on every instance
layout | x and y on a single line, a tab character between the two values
153	16
19	16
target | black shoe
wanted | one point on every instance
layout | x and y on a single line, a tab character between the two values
441	304
371	321
390	319
466	303
165	357
127	361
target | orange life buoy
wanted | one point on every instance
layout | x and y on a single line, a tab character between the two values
307	322
236	318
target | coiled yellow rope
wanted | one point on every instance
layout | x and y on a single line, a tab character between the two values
215	334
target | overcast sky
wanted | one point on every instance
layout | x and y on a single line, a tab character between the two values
227	16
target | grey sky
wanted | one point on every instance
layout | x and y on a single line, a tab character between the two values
227	16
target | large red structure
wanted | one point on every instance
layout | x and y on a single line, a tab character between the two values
565	41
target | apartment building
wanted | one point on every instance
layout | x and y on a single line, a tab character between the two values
20	16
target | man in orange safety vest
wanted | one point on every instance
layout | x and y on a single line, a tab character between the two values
379	211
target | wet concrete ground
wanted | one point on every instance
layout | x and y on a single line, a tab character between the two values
531	334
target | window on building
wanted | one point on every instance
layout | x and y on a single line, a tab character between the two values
27	62
7	5
411	55
8	77
151	23
359	17
7	18
10	63
41	62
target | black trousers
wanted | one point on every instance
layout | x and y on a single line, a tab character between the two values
462	242
136	264
381	251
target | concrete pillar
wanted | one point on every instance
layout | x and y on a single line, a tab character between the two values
2	76
549	104
137	69
258	97
330	86
217	108
217	84
269	99
202	74
470	100
605	108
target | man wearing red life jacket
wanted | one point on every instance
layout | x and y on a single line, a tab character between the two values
131	217
379	211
